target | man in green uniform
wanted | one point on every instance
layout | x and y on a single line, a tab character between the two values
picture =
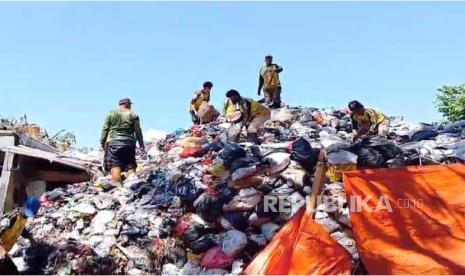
269	81
367	121
250	114
199	98
12	226
120	133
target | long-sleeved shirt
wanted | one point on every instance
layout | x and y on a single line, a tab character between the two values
369	120
122	124
269	76
250	109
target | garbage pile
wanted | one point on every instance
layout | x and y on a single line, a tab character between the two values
199	205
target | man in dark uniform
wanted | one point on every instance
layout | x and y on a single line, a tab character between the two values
120	133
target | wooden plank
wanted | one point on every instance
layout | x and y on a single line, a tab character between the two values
62	176
320	173
6	180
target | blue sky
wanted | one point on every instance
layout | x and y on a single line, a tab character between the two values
66	65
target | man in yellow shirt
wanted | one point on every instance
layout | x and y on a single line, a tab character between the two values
269	81
200	97
12	227
250	114
367	121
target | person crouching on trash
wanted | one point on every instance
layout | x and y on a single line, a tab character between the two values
367	121
120	132
199	98
12	226
250	114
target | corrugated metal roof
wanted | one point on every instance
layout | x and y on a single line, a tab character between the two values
52	157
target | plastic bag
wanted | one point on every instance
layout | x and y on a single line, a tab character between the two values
242	173
233	243
342	157
217	169
193	152
276	162
252	181
193	142
187	191
204	243
242	163
335	172
209	205
302	152
238	220
296	178
216	258
232	152
246	200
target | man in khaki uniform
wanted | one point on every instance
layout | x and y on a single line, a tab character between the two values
250	114
120	132
367	121
269	81
199	98
12	226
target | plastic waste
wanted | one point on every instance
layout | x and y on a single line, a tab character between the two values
276	162
216	258
231	152
234	242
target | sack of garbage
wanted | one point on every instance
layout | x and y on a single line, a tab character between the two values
187	190
335	172
207	113
193	142
242	163
209	205
283	115
296	178
237	220
216	258
245	200
204	243
193	152
302	152
247	182
233	243
231	152
342	157
276	162
217	168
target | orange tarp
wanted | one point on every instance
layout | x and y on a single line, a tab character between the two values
419	225
301	247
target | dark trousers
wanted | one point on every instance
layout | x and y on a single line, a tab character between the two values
195	119
273	97
8	267
120	154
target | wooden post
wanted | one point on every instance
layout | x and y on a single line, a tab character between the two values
7	184
317	182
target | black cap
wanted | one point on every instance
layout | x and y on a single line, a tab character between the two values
125	101
208	84
269	57
355	105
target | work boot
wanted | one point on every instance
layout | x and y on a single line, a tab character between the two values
253	138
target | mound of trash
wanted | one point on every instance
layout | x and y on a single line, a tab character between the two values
199	205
